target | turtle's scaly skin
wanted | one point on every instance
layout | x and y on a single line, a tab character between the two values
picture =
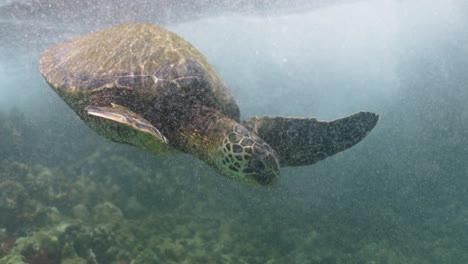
134	81
238	148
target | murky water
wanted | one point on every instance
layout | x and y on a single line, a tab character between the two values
399	196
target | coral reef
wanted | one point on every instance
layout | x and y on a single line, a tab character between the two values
117	205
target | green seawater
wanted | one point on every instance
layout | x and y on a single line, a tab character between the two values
399	196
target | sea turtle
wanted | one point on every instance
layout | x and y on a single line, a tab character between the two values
143	85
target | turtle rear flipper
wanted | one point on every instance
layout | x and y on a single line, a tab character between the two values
304	141
124	126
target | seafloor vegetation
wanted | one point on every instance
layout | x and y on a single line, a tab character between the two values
75	198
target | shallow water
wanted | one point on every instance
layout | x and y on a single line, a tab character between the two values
399	196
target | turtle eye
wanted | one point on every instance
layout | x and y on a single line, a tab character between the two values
264	167
258	165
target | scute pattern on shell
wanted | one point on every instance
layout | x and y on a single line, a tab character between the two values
139	56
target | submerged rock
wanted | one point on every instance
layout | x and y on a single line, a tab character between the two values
81	212
76	260
134	209
41	247
107	212
12	195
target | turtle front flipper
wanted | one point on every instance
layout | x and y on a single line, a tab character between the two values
304	141
124	126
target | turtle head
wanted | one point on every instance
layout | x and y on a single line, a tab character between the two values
247	158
